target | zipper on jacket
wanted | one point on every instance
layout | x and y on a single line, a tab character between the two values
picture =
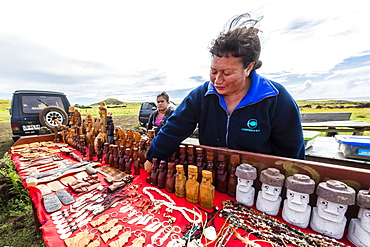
227	130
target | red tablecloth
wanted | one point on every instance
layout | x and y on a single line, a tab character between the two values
52	239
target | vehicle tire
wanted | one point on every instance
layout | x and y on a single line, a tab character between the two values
48	114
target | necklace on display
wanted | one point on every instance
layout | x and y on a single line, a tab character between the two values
171	204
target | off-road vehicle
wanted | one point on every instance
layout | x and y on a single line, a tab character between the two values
144	113
32	109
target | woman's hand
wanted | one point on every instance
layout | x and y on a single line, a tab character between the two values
148	166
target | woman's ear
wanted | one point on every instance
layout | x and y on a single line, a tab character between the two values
249	69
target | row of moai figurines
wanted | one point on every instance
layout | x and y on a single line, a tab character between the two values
223	178
328	217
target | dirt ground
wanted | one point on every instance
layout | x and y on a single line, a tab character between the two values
124	121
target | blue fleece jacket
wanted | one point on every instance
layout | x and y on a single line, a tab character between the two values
267	120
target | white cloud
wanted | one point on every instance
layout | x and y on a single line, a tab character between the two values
95	49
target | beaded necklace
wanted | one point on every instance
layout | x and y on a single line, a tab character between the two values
272	230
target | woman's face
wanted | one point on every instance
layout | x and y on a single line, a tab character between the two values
228	75
162	103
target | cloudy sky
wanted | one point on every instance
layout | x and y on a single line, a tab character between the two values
132	50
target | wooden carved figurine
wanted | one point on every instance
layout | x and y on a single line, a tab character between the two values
210	165
233	179
91	150
221	174
121	158
199	162
56	134
128	160
100	150
110	129
173	158
128	165
162	172
101	136
170	178
183	158
106	153
103	112
142	152
82	147
192	185
154	172
111	157
207	190
136	160
114	161
89	128
180	181
190	155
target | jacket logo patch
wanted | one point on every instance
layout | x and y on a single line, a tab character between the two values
252	125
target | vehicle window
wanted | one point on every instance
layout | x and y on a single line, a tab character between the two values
148	106
35	103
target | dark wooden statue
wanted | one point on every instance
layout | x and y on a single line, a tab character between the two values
200	162
136	160
106	153
100	150
162	172
221	174
210	165
233	179
154	172
170	178
110	129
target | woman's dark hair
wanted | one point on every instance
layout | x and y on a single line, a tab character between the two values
239	39
164	95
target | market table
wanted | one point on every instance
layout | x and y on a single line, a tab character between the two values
52	238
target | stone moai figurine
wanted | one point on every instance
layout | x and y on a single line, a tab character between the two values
269	199
359	228
180	181
328	217
206	190
171	177
296	210
192	185
233	179
244	190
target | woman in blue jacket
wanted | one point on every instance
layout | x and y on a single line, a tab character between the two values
237	108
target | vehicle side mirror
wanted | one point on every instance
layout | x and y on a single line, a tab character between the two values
154	108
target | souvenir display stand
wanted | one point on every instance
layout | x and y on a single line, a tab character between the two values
122	209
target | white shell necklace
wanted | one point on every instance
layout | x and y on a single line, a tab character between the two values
171	204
